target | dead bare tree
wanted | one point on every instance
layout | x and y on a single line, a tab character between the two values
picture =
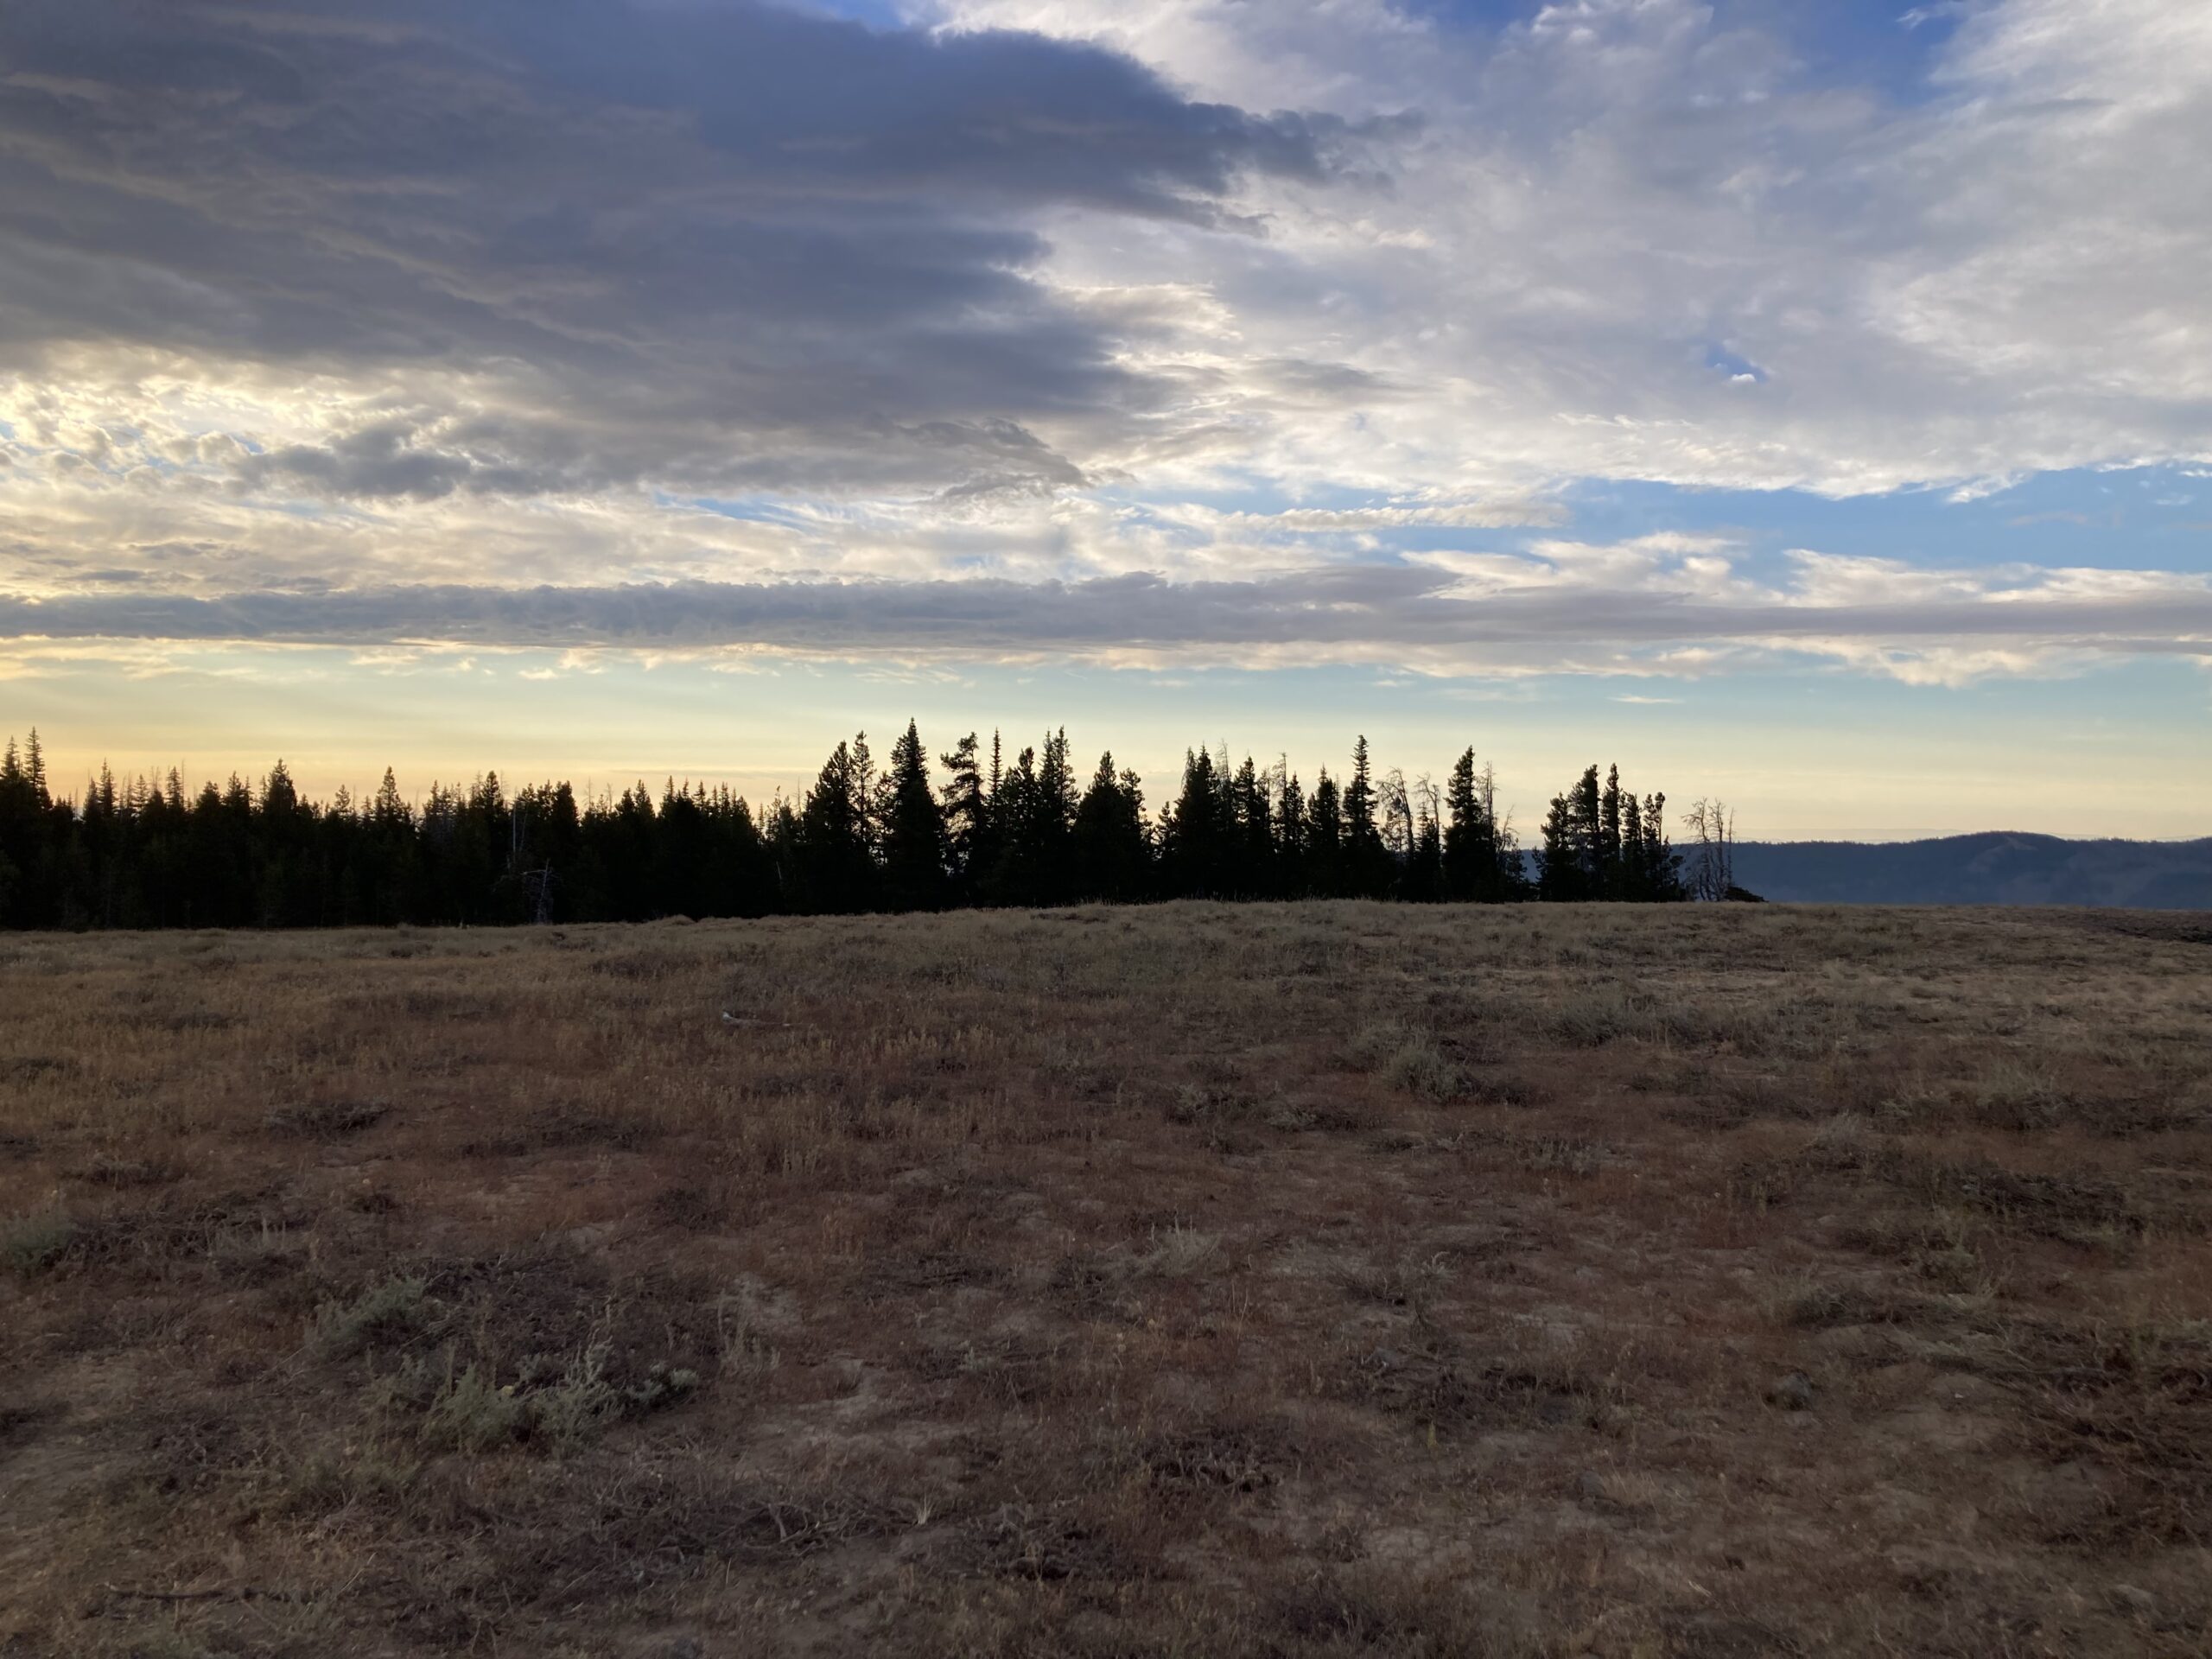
1712	874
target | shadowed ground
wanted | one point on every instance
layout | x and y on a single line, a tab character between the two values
1273	1279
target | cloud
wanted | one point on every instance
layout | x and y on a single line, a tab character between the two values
1641	608
1617	208
598	244
1247	331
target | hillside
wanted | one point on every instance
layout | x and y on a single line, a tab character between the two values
1998	868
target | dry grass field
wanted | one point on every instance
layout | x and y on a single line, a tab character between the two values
1279	1280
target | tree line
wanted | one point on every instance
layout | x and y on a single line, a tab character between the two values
978	829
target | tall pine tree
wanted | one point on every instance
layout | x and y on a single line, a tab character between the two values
914	873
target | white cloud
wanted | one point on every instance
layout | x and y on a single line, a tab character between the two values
308	376
2003	280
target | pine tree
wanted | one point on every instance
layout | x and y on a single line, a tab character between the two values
1366	864
914	846
1422	881
1053	824
1560	871
1470	852
1613	871
1292	876
1325	839
835	871
1196	833
132	852
967	812
34	770
1251	814
1635	872
390	811
1017	832
1112	854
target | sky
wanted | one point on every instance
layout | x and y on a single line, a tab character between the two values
1809	405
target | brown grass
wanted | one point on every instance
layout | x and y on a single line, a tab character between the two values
1287	1281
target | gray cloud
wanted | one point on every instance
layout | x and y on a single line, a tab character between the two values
725	246
1371	613
734	326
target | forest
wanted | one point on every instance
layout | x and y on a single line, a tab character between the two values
978	829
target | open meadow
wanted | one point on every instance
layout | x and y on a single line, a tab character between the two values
1291	1280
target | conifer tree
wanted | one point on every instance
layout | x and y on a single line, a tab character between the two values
1196	833
914	876
1559	862
1366	864
1251	812
1473	868
1112	854
34	770
132	852
967	811
1017	832
1613	871
1635	872
1422	881
1292	877
1052	823
1325	840
837	872
1589	833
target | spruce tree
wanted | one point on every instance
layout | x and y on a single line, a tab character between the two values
1292	876
1366	865
1613	871
1587	805
966	799
133	852
1470	851
1559	868
1423	879
1196	833
1252	871
837	872
1112	854
34	770
1325	839
1635	872
914	875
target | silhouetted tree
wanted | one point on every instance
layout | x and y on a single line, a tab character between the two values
1473	866
1325	840
966	798
1198	834
139	853
836	868
1366	863
914	846
1112	853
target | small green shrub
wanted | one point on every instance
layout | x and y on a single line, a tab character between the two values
392	1312
470	1414
568	1412
1421	1068
1408	1059
556	1404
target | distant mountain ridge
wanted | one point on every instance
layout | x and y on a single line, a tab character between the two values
1996	867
